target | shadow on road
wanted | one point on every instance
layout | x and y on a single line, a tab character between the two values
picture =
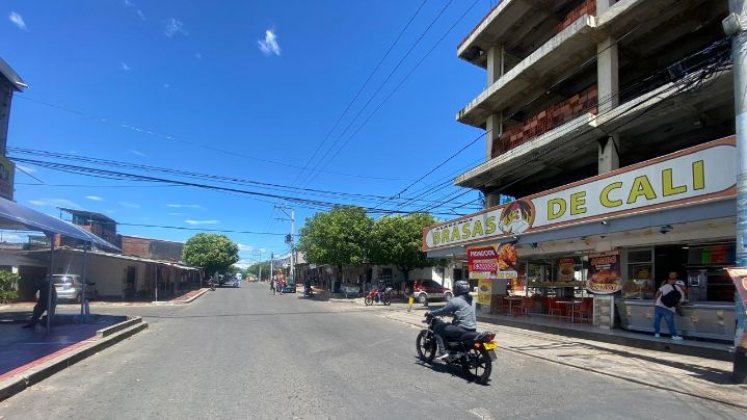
450	369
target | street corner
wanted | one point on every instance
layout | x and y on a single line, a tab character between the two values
66	345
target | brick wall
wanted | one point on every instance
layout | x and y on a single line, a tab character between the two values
587	7
551	117
151	248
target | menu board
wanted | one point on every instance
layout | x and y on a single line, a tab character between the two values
484	291
604	273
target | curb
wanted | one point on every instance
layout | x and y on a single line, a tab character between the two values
35	374
643	343
597	371
193	298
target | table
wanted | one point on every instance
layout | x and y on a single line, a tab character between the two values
572	304
511	300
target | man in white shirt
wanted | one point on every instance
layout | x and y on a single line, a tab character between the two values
667	298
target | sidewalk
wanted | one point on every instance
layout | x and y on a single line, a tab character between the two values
187	297
690	375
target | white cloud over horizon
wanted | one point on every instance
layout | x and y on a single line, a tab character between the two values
130	5
137	153
269	45
94	198
177	213
183	206
201	222
17	20
56	202
173	27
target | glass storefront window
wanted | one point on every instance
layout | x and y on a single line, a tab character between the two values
640	280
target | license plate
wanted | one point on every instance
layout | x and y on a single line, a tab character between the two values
491	345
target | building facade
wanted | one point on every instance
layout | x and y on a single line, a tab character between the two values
612	122
10	83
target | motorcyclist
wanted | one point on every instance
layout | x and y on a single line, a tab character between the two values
464	318
380	290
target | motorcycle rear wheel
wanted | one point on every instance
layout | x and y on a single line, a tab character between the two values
477	365
386	301
426	346
368	300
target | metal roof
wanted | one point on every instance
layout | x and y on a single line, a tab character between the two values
12	76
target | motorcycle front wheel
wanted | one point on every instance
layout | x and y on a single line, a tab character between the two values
368	300
477	365
426	346
386	301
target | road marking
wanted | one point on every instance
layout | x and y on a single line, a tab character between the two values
481	413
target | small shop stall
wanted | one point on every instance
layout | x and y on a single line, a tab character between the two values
708	312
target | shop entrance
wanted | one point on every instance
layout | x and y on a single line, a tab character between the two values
669	258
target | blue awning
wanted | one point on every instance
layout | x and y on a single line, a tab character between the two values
16	216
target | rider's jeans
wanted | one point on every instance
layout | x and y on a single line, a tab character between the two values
448	332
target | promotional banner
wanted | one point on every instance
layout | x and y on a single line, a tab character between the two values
697	174
604	273
482	262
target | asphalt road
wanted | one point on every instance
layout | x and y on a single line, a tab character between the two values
246	354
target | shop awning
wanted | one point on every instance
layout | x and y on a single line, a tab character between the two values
16	216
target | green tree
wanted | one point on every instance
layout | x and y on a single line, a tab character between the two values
8	282
397	240
254	269
210	251
338	237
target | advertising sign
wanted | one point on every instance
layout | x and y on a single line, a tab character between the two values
698	174
482	262
604	273
565	269
7	173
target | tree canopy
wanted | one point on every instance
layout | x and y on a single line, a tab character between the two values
338	237
212	252
397	240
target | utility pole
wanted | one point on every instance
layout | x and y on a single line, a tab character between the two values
735	26
272	257
260	266
291	240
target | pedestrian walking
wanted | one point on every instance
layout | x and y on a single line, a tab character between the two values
667	298
42	302
272	286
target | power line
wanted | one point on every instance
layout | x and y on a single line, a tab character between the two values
397	87
151	133
382	84
355	97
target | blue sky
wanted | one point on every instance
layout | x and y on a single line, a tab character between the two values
247	90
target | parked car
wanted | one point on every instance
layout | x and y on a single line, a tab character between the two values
69	287
425	291
288	289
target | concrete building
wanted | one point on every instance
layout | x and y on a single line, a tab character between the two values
157	249
99	224
10	82
612	122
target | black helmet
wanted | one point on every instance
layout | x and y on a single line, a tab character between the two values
461	287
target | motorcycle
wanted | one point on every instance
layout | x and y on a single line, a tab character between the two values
211	285
307	291
475	352
373	297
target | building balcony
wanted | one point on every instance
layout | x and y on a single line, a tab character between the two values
662	120
560	56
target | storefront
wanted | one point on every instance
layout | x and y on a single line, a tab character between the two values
602	246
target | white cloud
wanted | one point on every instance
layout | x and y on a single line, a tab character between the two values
12	238
202	222
27	169
198	56
129	204
176	213
56	202
109	211
184	206
130	5
124	66
18	21
246	248
137	153
173	27
269	45
94	198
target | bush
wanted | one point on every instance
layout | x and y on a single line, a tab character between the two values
8	281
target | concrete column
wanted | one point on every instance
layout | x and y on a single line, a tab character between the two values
494	129
603	5
607	75
609	158
495	63
492	200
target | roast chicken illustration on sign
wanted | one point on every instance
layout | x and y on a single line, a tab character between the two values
517	217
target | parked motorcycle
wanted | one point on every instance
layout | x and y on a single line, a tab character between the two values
373	297
475	352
